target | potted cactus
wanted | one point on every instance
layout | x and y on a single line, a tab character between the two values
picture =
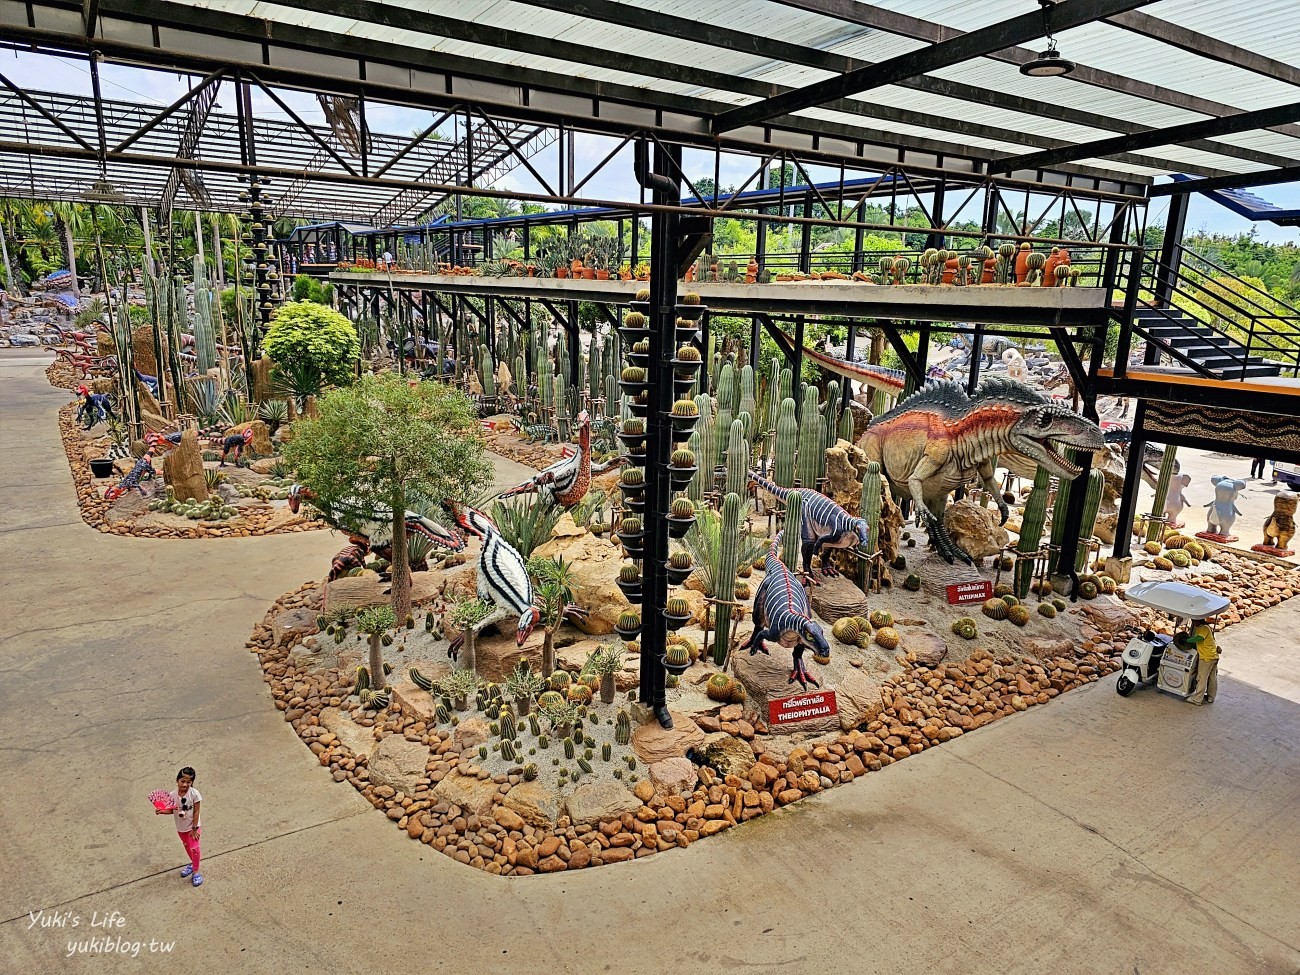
523	685
604	664
633	380
679	567
690	309
682	468
635	326
685	413
681	515
629	580
677	612
676	659
629	624
632	482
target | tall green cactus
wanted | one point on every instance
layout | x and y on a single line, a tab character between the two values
869	510
595	375
790	538
486	375
520	378
787	384
1091	505
1031	530
724	576
846	426
1156	529
787	438
729	388
748	400
831	411
812	440
700	479
772	396
721	430
205	333
738	457
710	436
1059	511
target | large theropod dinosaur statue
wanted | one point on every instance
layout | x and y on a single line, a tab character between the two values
822	524
502	576
782	613
940	439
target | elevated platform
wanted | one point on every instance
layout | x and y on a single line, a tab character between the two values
983	304
1269	394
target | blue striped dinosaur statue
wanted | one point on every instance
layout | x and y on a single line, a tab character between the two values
782	613
823	524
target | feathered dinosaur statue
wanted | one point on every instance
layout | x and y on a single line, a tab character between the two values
822	524
567	480
502	577
142	471
940	439
94	407
782	613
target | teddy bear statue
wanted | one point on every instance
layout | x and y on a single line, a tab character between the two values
1279	527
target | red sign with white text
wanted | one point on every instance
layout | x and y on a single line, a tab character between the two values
802	707
970	592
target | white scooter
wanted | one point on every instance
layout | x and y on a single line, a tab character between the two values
1154	656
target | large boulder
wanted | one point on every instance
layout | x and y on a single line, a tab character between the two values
183	469
766	677
836	597
726	753
673	776
473	795
845	464
596	802
359	740
496	654
653	743
858	695
534	803
974	529
927	648
594	564
398	763
354	593
289	624
261	442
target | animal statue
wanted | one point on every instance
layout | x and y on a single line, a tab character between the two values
502	577
150	382
535	432
782	613
822	524
162	441
142	471
1279	527
1015	363
940	438
353	556
94	407
1223	509
567	480
236	442
891	381
1175	500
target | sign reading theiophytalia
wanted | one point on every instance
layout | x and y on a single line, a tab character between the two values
970	592
802	707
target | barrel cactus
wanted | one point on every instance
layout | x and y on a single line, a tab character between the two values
1018	615
995	609
965	628
887	637
846	630
1047	610
881	618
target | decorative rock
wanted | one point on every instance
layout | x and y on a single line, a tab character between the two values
496	654
837	597
471	733
352	593
292	623
928	648
508	818
593	577
594	802
183	469
673	776
858	697
473	795
975	530
398	763
727	754
261	442
534	803
654	744
358	740
644	790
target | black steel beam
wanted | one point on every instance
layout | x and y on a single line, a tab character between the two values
1284	174
89	16
1224	125
1167	32
1223	394
1065	14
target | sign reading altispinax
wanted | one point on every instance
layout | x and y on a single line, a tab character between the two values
802	707
969	592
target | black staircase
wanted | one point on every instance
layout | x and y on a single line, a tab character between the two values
1197	347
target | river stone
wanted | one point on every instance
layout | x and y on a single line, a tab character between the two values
594	802
358	740
858	696
354	593
928	648
654	744
728	754
673	776
473	795
535	803
470	733
398	763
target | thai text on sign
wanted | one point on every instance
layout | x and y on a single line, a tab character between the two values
970	592
802	707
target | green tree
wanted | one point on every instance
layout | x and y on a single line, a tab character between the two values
312	343
381	444
554	588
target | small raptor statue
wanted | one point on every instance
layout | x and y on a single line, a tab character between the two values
940	439
567	480
782	613
822	524
94	407
142	471
502	578
236	442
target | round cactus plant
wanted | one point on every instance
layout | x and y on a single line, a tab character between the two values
1047	610
680	560
1059	605
912	583
688	353
579	694
686	408
633	374
677	606
1018	615
629	620
682	508
559	681
965	628
630	525
629	572
741	590
718	688
995	609
634	319
634	425
1010	600
550	699
682	458
1087	590
641	348
1179	558
690	298
881	617
677	655
634	476
887	637
846	630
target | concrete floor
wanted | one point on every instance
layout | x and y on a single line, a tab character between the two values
1095	835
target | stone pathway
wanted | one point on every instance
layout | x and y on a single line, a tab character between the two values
1099	834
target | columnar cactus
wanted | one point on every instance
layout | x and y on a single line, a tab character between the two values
1059	511
1091	504
812	445
205	340
1155	529
595	374
738	454
846	426
787	435
1031	531
748	398
772	395
486	375
870	505
711	435
790	541
700	479
724	574
831	411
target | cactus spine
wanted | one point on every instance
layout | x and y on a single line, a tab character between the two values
1091	504
787	434
738	454
1155	529
724	575
1031	531
790	541
812	448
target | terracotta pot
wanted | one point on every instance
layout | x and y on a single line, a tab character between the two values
575	265
990	266
561	272
588	273
690	274
949	270
1022	264
1053	259
602	275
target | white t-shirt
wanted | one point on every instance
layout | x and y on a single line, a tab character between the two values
185	809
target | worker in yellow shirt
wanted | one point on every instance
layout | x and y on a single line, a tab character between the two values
1207	667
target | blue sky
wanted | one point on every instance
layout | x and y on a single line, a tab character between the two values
614	182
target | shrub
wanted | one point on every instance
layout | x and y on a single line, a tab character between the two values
311	338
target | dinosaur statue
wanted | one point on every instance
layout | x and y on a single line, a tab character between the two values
502	577
94	407
822	524
939	439
782	613
142	471
236	442
891	381
567	480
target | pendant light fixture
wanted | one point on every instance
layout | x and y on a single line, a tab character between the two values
1048	64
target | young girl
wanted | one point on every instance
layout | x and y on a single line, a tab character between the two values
185	807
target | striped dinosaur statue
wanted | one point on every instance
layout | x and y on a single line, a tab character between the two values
142	471
567	480
782	613
891	381
502	577
940	439
823	524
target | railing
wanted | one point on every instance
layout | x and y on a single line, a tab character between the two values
1197	287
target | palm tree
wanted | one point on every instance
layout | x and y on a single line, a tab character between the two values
68	220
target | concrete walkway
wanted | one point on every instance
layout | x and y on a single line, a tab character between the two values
1094	835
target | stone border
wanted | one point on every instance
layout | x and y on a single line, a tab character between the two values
923	707
94	509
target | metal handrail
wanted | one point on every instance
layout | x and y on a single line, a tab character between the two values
1295	312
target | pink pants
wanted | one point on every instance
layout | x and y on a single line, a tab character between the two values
192	848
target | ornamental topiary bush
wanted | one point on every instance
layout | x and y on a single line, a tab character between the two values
307	339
